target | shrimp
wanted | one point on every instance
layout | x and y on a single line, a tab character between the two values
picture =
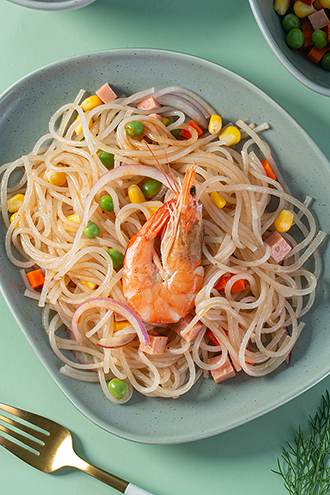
163	291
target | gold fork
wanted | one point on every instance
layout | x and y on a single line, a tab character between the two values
52	448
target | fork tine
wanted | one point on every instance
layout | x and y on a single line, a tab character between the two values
20	452
32	418
27	441
35	433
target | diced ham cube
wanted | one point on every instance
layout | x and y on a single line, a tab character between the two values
319	19
149	103
192	334
106	93
224	372
157	345
280	248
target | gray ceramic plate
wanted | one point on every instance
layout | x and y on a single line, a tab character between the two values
208	409
53	4
305	71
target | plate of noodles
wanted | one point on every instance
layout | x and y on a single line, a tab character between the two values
163	242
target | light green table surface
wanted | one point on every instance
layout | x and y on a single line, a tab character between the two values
224	32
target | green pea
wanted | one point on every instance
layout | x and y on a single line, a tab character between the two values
295	38
106	202
325	63
91	230
150	188
117	258
118	388
166	121
320	39
290	21
108	159
176	133
135	128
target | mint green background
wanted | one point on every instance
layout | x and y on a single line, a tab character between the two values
222	31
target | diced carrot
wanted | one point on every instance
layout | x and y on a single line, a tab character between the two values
316	54
212	338
222	282
308	39
308	32
194	124
268	169
36	278
239	286
185	134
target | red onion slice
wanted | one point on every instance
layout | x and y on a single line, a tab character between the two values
119	339
119	173
116	342
206	109
118	307
112	175
186	106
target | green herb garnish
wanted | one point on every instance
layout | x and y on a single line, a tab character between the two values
304	464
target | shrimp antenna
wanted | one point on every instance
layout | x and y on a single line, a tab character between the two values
169	176
170	173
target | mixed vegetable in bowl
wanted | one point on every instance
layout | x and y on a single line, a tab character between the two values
307	27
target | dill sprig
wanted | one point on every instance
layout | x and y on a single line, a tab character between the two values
304	463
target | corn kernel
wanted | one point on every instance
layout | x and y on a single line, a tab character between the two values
284	221
79	129
301	9
218	200
90	103
89	285
56	178
153	209
13	216
74	218
120	325
324	3
215	124
135	194
230	135
281	6
15	202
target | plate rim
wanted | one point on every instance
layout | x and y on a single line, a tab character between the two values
285	61
59	5
211	431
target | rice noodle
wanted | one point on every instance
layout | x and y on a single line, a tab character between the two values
255	330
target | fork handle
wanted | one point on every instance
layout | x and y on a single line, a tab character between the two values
119	484
135	490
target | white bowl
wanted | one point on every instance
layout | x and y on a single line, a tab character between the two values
53	4
311	75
